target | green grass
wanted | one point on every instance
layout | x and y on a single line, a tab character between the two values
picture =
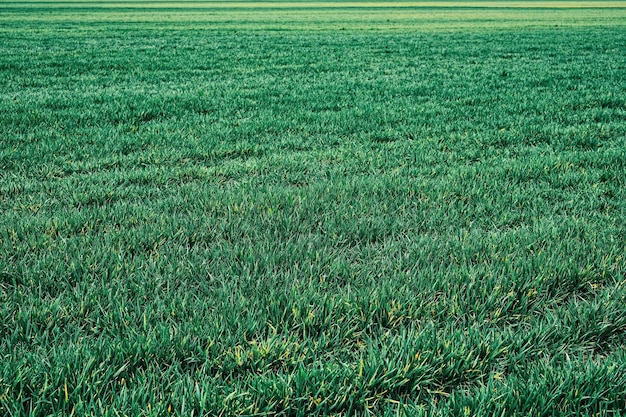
312	211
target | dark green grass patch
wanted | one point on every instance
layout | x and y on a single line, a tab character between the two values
315	222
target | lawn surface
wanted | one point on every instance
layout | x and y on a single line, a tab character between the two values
312	209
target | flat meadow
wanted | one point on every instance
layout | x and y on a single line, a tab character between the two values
313	208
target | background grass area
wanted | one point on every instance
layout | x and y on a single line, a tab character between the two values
213	216
70	19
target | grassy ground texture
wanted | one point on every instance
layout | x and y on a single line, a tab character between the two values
312	210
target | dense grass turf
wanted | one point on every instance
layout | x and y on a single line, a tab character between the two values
201	214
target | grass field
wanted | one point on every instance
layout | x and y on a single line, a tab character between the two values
313	209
